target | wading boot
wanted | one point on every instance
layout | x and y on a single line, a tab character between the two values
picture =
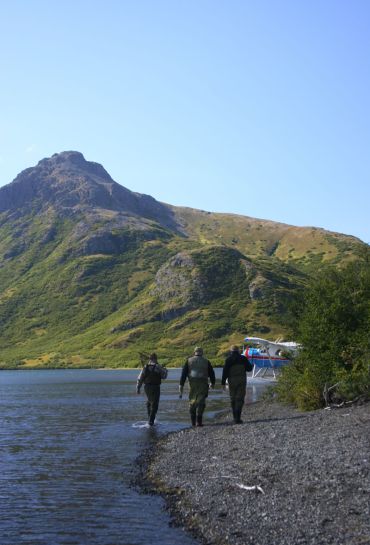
238	420
199	421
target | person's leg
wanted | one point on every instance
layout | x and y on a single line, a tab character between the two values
200	410
197	397
202	394
152	392
148	396
239	401
192	405
155	403
232	392
193	415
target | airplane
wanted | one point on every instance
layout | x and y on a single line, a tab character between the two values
269	355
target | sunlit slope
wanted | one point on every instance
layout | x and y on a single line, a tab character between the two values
103	310
257	237
91	273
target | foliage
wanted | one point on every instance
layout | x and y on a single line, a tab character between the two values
80	289
334	330
101	309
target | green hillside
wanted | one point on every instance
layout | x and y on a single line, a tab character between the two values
91	273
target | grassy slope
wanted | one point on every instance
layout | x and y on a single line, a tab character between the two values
255	237
101	310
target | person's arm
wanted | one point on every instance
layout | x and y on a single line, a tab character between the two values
247	363
211	374
225	372
140	380
184	375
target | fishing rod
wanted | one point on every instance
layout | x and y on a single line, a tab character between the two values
144	357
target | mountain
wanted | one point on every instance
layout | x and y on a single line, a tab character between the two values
67	183
92	273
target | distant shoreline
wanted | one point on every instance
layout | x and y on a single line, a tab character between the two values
311	468
70	368
77	368
19	368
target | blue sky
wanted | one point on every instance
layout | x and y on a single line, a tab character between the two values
259	108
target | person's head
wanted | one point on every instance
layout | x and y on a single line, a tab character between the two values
234	349
198	351
153	357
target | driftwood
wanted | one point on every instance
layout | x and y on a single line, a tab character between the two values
330	405
344	403
326	392
255	488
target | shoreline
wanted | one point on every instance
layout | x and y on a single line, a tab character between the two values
79	368
312	469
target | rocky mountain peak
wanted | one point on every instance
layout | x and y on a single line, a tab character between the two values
73	161
67	181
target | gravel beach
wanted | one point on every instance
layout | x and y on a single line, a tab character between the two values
311	470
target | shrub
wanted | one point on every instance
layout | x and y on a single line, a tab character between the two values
333	328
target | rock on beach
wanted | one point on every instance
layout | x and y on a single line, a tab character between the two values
311	470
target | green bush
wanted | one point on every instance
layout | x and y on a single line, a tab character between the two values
333	328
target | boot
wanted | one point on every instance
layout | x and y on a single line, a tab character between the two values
199	421
234	411
238	413
193	419
151	419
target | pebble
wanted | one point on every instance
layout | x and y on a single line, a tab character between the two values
313	467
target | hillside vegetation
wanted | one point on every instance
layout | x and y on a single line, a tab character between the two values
92	273
333	325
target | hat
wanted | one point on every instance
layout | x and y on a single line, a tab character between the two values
153	356
198	351
234	348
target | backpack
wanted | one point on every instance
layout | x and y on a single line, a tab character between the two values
163	371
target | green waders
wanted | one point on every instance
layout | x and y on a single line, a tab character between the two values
237	391
197	399
153	392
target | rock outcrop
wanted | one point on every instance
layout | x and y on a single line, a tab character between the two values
66	180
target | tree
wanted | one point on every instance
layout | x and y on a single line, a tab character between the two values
334	330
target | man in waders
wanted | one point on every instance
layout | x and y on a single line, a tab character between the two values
151	376
235	372
197	369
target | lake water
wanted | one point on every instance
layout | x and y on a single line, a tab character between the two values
68	444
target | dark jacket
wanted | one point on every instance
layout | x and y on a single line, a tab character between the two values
235	365
186	370
151	373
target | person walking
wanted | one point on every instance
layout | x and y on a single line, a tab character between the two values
197	370
235	372
151	376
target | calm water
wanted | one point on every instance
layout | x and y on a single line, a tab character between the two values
68	443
